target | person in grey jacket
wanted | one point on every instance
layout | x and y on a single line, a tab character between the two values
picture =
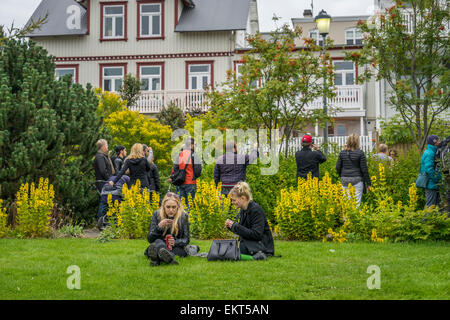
352	168
169	232
231	167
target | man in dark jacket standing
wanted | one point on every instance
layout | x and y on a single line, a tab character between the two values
102	163
231	167
121	153
308	160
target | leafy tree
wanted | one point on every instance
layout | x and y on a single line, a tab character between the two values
172	116
130	90
276	84
413	58
130	127
109	102
48	128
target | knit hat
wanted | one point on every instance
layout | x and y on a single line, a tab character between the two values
432	139
307	139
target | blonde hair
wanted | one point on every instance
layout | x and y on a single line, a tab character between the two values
353	142
100	143
382	148
163	214
136	152
242	189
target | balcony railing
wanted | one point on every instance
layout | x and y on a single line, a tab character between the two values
153	101
347	97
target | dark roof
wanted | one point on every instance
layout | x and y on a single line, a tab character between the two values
214	15
58	18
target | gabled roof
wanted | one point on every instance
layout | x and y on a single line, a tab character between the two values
214	15
59	21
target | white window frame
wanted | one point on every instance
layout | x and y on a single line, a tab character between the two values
314	34
344	73
150	24
114	18
74	73
112	78
353	38
256	83
199	75
150	77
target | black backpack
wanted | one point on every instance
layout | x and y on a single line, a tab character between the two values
179	176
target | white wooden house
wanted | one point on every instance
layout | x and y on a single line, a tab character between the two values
175	47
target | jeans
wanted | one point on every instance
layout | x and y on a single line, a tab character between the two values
102	209
359	189
432	197
188	189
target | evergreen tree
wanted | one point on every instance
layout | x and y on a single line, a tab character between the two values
48	128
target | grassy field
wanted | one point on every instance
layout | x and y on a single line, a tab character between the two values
36	269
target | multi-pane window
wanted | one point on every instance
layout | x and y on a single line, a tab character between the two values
150	20
345	73
151	78
199	76
112	78
314	34
353	36
113	21
61	72
255	82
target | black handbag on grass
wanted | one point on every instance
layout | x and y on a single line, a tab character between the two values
224	250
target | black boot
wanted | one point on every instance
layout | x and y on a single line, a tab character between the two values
167	256
152	253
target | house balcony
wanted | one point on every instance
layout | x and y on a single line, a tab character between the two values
349	101
152	102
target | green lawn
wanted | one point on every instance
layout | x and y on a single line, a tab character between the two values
36	269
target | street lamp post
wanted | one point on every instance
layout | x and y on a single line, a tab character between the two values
323	25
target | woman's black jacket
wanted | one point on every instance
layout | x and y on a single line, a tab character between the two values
353	164
155	232
138	170
253	230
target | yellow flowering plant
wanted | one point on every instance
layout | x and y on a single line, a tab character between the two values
208	212
3	221
131	217
314	209
34	208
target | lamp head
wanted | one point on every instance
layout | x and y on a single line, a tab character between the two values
323	22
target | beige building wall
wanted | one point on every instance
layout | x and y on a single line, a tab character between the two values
88	52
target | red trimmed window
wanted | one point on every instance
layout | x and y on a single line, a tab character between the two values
150	19
151	75
199	74
112	75
113	21
62	69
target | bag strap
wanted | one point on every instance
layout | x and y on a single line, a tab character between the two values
221	245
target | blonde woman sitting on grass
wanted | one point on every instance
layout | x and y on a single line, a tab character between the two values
255	237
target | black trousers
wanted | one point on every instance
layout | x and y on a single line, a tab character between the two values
178	251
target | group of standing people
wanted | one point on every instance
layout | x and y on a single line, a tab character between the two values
352	167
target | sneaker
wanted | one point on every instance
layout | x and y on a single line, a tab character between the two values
152	253
259	256
166	256
191	250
